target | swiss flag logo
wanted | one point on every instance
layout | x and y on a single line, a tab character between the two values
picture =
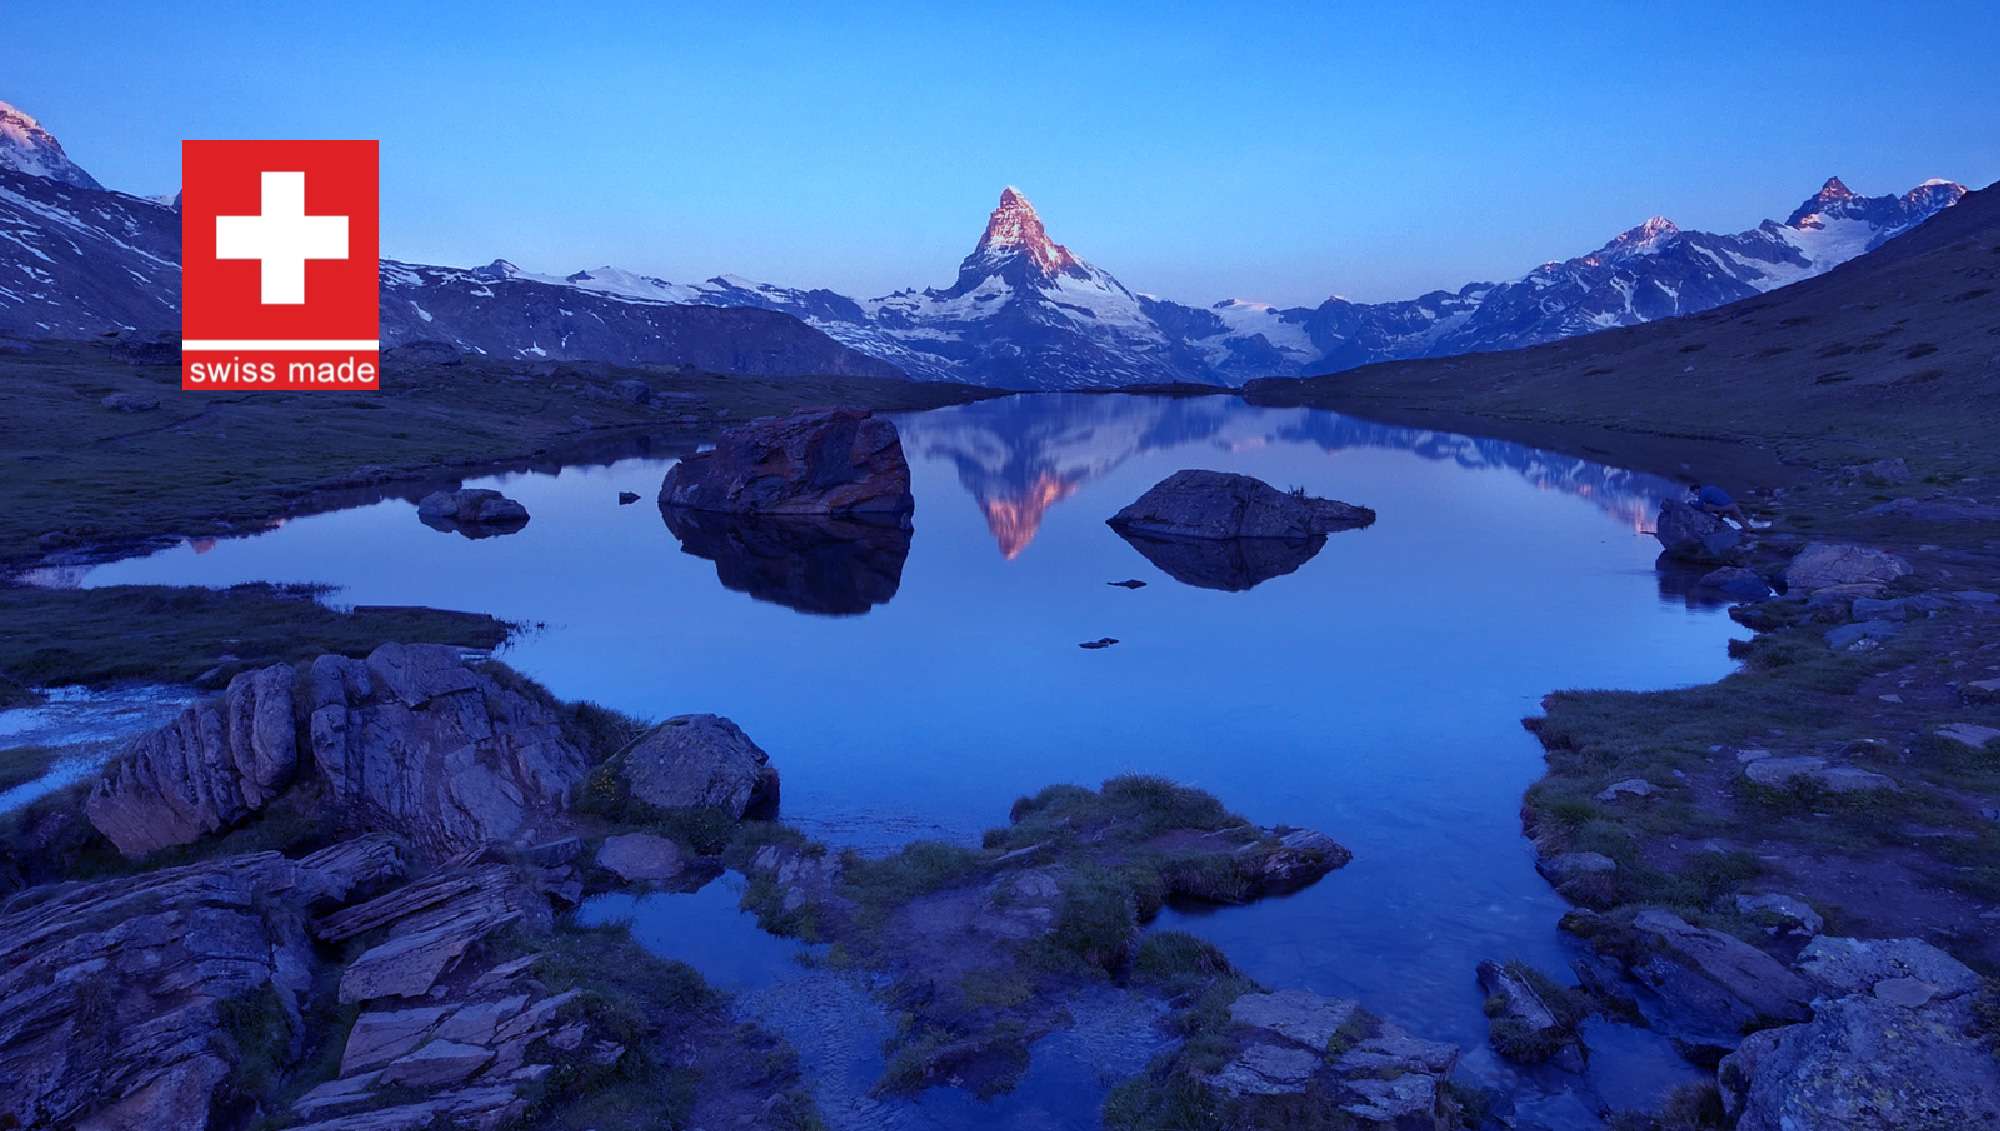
280	265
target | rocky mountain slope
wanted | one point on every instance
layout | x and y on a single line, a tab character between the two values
77	261
1899	350
1027	312
1023	312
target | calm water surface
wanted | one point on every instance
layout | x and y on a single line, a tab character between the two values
1374	693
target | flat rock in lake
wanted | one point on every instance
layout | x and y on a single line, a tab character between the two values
1202	504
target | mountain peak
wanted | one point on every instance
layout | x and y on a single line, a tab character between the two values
1014	229
26	147
1834	189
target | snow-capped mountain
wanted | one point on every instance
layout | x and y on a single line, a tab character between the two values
78	261
1027	312
1023	312
26	147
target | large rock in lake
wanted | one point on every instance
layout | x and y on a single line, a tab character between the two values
820	462
474	512
701	762
116	996
1221	504
1689	534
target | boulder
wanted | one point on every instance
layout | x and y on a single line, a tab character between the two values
1300	1016
701	762
214	765
473	514
1837	967
1630	787
633	390
1713	986
1689	534
1526	1025
1823	564
821	462
1737	582
1892	1044
414	740
115	995
131	402
1784	773
1861	635
1880	473
1793	915
474	505
1969	734
1221	505
627	498
641	857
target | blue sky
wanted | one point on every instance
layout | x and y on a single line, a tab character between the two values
1265	151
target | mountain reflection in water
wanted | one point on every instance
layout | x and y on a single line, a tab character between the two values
1019	456
829	567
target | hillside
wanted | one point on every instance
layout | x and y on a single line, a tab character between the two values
1896	353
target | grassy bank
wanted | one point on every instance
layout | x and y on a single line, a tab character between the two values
1895	356
82	475
164	634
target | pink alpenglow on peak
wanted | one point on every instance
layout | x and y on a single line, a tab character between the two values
1014	226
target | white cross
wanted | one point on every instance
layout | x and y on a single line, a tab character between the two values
281	239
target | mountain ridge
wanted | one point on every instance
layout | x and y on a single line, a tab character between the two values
1023	311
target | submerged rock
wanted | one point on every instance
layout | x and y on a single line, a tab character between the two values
701	762
1222	505
1689	534
823	462
826	566
1824	564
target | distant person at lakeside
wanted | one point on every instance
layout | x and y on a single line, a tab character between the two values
1718	502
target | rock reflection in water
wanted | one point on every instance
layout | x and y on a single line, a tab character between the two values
1230	564
829	567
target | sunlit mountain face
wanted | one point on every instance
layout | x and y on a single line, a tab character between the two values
1019	456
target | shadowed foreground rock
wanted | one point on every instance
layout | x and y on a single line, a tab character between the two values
824	462
1221	504
114	996
831	567
701	762
1889	1046
411	739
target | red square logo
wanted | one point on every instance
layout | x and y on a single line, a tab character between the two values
280	265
